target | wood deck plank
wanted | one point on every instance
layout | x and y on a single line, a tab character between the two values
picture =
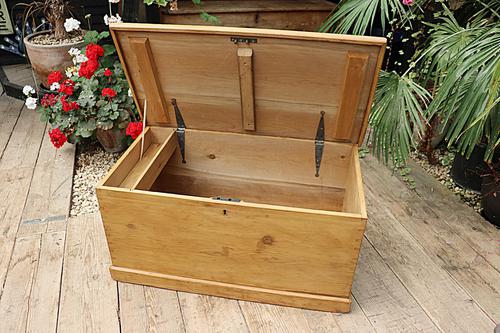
475	230
44	297
384	299
441	243
10	110
271	318
211	314
89	300
448	305
49	196
14	305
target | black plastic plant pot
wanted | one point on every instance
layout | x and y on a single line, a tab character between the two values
467	172
490	189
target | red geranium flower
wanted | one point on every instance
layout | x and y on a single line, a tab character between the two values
48	100
66	89
55	76
68	106
134	129
108	72
94	51
108	92
87	68
57	137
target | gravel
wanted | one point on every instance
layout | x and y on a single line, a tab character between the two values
92	164
441	171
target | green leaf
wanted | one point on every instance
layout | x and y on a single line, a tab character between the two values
102	35
91	37
109	49
149	2
86	128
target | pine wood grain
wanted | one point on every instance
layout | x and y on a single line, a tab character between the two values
245	71
289	93
89	300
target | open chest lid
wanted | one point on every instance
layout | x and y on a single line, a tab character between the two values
254	81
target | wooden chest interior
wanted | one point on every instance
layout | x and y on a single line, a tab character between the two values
245	182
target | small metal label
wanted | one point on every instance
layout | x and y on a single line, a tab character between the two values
245	40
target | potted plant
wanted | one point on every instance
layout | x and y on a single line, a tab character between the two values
91	99
490	190
454	50
48	50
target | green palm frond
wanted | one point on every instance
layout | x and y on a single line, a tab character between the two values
397	114
468	95
358	16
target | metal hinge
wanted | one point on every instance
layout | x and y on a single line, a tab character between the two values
319	143
181	130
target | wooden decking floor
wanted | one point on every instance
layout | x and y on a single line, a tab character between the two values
428	262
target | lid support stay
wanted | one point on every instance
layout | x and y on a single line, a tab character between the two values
245	68
319	143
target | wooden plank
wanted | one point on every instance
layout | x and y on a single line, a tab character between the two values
222	6
16	292
133	314
271	318
444	300
49	195
204	184
261	157
354	79
269	254
207	287
289	94
152	85
122	168
13	191
211	314
354	196
245	70
157	163
44	299
24	143
89	301
384	299
10	109
481	235
445	247
146	309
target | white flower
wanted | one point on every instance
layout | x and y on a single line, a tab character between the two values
71	24
114	1
70	71
28	90
79	58
55	86
31	103
112	19
129	92
74	51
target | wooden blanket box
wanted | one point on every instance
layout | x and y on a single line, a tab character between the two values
246	182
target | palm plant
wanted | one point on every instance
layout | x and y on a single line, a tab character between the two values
460	61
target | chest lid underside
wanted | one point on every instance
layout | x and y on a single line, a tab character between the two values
253	81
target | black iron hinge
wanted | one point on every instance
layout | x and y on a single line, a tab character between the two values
181	130
319	143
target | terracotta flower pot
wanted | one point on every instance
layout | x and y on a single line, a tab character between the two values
113	140
47	58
